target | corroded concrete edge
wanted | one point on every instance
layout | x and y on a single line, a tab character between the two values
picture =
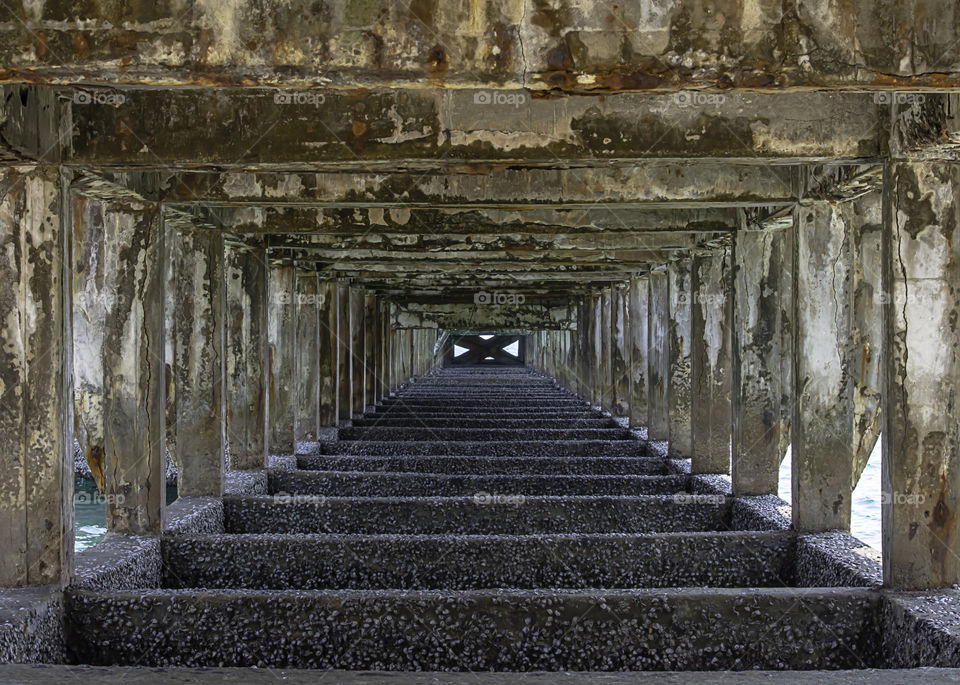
31	625
836	559
252	482
921	628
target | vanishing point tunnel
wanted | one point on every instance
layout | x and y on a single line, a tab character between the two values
473	335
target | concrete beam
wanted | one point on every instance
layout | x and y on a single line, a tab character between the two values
247	356
36	400
921	426
163	128
711	285
487	314
283	356
756	380
582	49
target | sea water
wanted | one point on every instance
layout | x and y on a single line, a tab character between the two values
865	508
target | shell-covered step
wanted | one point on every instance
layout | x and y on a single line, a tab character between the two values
484	465
465	562
480	514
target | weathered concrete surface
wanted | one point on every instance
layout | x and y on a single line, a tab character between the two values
866	214
639	350
922	360
638	629
371	353
247	355
307	322
571	48
679	393
281	562
281	323
344	348
658	359
327	351
825	362
711	319
199	361
30	675
36	381
173	128
358	335
486	314
621	350
133	349
755	384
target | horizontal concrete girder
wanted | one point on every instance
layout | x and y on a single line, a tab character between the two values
448	181
503	44
416	219
249	127
483	316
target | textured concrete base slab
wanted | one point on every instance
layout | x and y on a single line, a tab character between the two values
489	465
401	484
493	448
16	674
504	513
316	562
480	630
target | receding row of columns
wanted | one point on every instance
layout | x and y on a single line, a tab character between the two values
140	332
795	335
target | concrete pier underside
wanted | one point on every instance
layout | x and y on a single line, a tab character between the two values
477	335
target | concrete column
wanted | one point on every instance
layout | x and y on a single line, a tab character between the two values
825	362
620	351
385	342
678	342
344	367
606	349
755	382
327	351
357	351
36	382
199	363
371	336
710	362
598	374
308	355
246	356
283	357
658	370
921	415
639	362
134	405
865	214
89	310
